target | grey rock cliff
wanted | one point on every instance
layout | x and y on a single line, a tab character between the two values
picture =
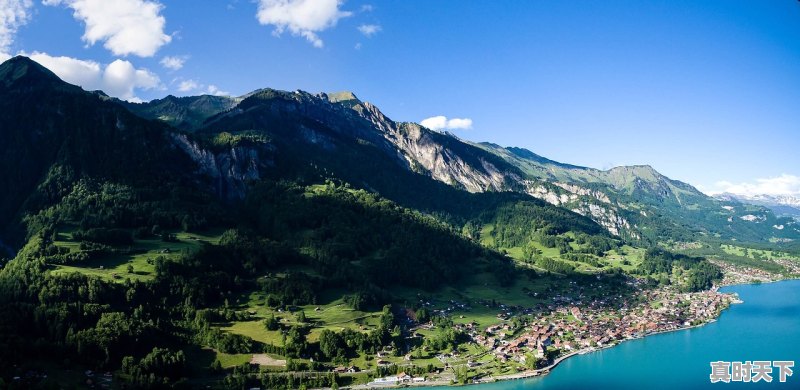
229	171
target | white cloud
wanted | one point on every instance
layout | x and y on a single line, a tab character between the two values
119	78
441	122
367	8
173	62
126	26
784	184
192	86
301	17
13	15
435	122
459	123
188	85
213	90
369	29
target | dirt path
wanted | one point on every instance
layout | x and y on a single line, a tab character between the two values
266	360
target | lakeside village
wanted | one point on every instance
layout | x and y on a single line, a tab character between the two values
533	341
737	274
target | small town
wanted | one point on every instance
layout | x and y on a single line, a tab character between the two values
737	274
567	330
536	340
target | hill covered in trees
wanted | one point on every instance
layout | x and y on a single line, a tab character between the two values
308	228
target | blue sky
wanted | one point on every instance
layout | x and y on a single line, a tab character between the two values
706	92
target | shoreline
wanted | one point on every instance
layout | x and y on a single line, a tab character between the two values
541	372
548	369
758	282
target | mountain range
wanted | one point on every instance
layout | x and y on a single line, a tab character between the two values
233	141
158	240
782	205
633	202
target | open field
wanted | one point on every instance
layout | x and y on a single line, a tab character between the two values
334	316
759	254
627	258
140	256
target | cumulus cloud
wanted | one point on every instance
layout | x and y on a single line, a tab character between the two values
442	123
126	26
13	15
119	78
188	85
784	184
369	29
303	18
173	62
192	86
214	90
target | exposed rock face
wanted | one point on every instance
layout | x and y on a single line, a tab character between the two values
550	195
420	147
443	159
317	138
585	192
607	218
590	203
229	170
441	156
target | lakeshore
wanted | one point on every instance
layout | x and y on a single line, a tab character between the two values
519	376
523	379
536	342
762	328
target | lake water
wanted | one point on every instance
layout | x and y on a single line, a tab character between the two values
765	327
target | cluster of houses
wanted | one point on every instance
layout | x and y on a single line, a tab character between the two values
395	380
736	274
569	322
569	329
792	266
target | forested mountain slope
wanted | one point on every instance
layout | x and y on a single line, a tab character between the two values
635	203
139	241
162	242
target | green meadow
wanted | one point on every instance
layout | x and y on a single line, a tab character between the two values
140	256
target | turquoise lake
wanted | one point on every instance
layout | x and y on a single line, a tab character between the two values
765	327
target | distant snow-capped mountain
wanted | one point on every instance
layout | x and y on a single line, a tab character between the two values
788	205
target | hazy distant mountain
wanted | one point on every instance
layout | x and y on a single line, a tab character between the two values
784	205
784	200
